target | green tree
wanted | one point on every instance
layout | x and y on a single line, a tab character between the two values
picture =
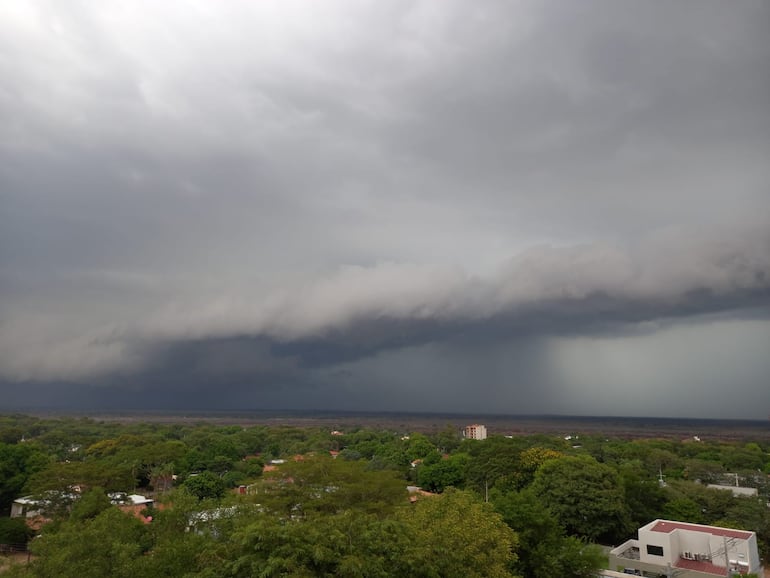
750	513
530	461
444	473
64	476
494	462
326	485
107	545
14	531
90	505
457	535
205	485
684	510
344	532
544	550
10	434
17	463
349	544
693	502
586	497
419	446
643	495
447	440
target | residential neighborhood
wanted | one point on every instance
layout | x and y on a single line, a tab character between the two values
164	492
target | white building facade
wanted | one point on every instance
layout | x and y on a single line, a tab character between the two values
666	548
476	432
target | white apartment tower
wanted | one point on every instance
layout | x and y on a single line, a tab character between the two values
476	432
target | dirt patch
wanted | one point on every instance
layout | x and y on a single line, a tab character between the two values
8	560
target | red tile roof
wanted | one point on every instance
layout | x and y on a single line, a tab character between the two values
668	527
706	567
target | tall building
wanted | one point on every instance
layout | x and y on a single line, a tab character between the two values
476	432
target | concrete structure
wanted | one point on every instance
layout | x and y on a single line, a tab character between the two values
416	492
667	548
132	503
737	491
476	432
124	499
35	510
25	507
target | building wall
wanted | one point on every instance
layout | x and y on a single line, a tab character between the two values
476	432
24	509
681	540
736	490
753	554
649	538
17	510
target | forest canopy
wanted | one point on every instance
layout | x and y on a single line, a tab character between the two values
233	500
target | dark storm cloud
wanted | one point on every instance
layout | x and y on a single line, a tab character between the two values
211	198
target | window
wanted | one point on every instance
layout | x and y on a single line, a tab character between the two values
654	550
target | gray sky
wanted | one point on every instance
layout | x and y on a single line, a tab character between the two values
510	207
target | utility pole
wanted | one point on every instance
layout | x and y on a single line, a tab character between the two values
724	538
725	548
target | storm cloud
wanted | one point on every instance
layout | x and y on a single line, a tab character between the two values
411	205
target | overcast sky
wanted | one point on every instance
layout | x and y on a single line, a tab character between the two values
507	207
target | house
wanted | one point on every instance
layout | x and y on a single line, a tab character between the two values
475	432
415	492
36	510
689	550
131	503
31	510
207	521
26	507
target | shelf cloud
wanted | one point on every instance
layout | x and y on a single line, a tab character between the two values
416	205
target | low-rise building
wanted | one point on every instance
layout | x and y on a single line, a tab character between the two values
668	548
37	509
134	504
25	507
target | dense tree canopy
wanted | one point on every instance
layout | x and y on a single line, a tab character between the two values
545	550
310	514
459	536
584	495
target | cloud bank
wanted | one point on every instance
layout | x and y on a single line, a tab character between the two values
250	204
